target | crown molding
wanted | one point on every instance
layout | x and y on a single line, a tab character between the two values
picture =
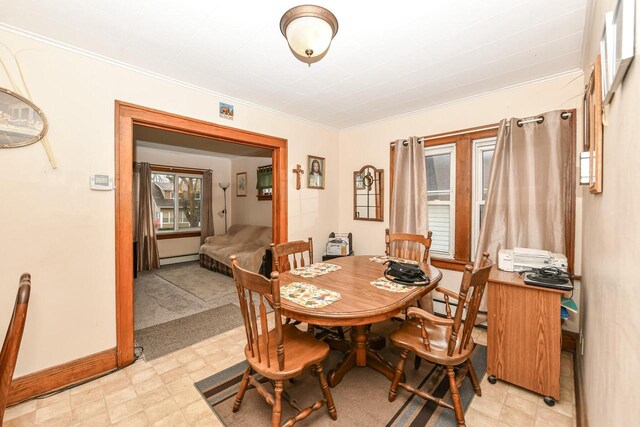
574	72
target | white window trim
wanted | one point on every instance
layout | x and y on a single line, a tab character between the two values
434	151
176	209
479	147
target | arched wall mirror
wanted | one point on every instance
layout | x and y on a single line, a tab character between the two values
21	122
368	194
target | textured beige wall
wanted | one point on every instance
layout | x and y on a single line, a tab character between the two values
611	238
55	227
369	144
249	210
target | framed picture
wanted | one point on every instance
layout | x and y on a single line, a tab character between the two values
241	184
606	42
226	111
622	44
595	129
315	166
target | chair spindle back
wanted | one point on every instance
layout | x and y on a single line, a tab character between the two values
253	288
408	246
12	340
289	255
471	291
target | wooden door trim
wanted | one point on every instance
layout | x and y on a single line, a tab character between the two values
126	116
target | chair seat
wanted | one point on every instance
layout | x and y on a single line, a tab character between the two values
409	336
301	350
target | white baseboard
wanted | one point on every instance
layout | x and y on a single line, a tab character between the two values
178	259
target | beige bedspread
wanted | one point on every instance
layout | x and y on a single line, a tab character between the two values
247	242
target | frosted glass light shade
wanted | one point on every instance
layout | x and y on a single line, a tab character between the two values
309	30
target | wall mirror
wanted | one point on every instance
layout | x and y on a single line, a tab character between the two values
368	194
21	122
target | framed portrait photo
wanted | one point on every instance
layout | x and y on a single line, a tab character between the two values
241	184
316	176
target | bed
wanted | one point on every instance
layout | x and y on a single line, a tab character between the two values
248	242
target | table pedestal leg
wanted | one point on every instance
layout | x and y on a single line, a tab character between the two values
360	355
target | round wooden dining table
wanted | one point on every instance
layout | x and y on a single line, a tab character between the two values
360	305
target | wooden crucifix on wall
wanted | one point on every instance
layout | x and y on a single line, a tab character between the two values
298	171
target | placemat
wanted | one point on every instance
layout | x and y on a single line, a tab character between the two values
387	285
308	295
315	270
381	259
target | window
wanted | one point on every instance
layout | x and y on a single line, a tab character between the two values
181	213
482	156
457	166
441	197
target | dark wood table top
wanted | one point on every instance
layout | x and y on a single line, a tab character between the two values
361	302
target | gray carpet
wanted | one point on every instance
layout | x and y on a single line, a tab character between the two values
361	397
157	300
200	282
170	336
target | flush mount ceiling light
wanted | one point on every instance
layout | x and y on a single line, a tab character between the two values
309	30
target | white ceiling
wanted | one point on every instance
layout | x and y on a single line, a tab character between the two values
388	58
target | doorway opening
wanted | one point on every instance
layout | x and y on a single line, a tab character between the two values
147	135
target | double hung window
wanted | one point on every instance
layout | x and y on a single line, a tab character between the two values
176	201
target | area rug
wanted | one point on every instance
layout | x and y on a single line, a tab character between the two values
201	282
361	397
176	334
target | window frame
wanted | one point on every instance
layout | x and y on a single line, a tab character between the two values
463	139
451	150
186	173
480	145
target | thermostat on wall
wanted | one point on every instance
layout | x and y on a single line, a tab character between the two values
101	182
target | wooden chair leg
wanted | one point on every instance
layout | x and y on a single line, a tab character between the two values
331	407
455	396
243	388
417	361
276	415
474	378
393	391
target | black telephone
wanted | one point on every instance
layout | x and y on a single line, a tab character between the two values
405	274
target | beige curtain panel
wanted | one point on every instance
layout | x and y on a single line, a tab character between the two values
148	256
408	212
206	212
530	186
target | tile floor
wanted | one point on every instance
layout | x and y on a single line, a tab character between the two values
161	393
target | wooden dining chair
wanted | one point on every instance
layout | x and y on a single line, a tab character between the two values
279	354
290	255
12	340
444	341
408	246
414	247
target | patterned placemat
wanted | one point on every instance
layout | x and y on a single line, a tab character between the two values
381	259
315	270
308	295
387	285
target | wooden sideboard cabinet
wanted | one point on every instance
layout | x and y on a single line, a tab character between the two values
524	335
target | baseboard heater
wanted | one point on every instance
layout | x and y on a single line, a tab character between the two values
178	259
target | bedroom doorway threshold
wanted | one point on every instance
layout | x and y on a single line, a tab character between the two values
126	116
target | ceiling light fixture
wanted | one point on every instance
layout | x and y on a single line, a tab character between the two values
309	31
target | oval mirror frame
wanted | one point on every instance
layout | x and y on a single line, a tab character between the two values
36	110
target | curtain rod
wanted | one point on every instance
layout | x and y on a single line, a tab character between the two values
176	168
539	119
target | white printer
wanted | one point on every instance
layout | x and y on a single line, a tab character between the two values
519	259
